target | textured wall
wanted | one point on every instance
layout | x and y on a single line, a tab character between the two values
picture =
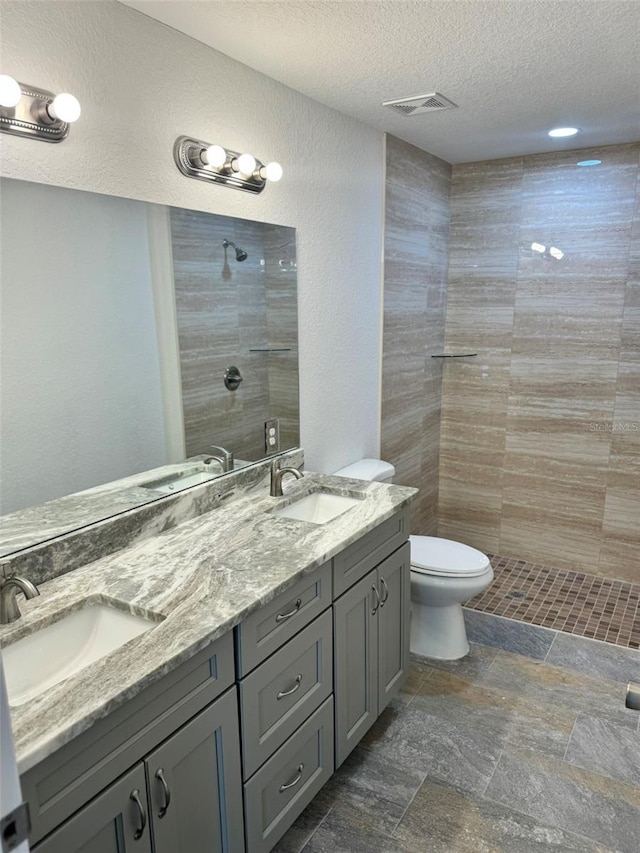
415	279
141	85
541	432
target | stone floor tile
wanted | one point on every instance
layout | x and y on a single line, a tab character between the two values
297	835
517	637
569	798
595	658
606	748
376	785
444	819
502	714
347	830
555	685
471	667
454	751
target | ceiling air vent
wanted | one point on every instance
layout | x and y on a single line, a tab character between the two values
420	104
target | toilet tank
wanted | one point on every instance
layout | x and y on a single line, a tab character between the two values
368	469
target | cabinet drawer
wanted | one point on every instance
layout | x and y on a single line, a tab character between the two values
267	629
359	558
281	693
68	778
280	790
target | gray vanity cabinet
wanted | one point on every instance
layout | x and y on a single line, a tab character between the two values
195	793
371	642
185	796
109	824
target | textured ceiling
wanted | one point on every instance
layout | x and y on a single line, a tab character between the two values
515	67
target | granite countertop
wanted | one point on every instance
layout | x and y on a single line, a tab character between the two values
200	579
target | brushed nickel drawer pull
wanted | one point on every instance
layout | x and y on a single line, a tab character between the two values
135	796
295	687
282	616
377	604
294	781
386	592
165	792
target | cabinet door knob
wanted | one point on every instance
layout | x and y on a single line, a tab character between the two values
377	604
294	781
135	796
295	687
282	616
385	589
166	793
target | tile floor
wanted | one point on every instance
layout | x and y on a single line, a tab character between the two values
497	752
574	602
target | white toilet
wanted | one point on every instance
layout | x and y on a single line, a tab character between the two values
444	574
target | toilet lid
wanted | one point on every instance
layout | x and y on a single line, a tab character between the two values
435	556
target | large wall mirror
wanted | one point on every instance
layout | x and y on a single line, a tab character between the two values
119	322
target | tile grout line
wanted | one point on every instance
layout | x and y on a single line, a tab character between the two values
301	850
410	803
550	647
566	749
493	773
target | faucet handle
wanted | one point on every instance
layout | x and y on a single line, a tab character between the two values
9	587
227	455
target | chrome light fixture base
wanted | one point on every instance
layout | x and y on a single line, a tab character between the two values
30	117
187	154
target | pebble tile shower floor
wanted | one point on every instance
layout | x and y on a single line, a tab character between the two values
574	602
496	752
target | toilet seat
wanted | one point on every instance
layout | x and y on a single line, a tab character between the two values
431	555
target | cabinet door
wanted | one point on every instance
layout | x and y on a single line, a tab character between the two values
115	822
195	790
394	581
356	663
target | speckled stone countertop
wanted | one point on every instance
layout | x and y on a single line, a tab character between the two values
201	578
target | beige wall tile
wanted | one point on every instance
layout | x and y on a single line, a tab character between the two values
555	416
415	280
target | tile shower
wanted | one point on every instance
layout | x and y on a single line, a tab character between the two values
533	446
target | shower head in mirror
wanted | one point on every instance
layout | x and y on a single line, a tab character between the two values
241	255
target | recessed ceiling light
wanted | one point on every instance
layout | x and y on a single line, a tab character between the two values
563	131
589	163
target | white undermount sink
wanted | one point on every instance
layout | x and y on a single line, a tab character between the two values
184	478
318	507
61	649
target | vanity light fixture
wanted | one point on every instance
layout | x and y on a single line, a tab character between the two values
35	113
198	159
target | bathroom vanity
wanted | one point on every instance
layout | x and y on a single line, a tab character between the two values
275	642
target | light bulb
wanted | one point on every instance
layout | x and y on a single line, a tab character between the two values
10	92
271	172
215	156
65	107
559	132
245	164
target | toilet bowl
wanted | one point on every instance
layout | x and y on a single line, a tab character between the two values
444	574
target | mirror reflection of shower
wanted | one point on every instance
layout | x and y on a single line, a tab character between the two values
241	255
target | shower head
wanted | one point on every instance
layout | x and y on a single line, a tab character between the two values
241	255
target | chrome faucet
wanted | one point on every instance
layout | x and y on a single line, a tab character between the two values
9	587
276	478
224	457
